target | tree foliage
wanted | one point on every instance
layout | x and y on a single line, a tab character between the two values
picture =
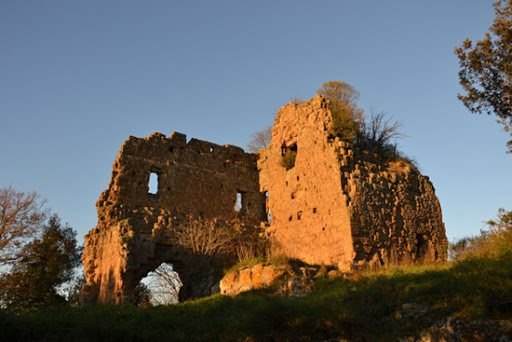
20	217
374	133
345	113
493	242
486	69
44	264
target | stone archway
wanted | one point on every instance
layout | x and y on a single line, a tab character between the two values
163	284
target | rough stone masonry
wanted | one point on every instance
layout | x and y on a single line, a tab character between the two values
339	205
335	205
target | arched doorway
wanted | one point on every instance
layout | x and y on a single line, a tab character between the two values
164	284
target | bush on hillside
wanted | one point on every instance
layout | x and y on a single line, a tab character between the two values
492	243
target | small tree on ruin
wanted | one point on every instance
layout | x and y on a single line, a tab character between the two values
345	113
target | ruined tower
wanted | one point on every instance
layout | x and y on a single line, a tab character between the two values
339	205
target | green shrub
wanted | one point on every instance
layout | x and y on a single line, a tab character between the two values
125	238
492	243
288	159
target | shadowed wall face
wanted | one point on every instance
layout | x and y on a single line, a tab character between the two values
197	180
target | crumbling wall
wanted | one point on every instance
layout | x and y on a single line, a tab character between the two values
197	181
310	219
331	204
394	212
339	205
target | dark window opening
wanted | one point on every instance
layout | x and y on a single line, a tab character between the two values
314	210
267	207
299	215
153	183
290	218
421	246
293	196
288	156
211	149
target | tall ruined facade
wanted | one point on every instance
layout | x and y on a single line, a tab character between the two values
334	205
197	180
339	205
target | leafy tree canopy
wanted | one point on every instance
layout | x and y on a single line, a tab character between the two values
346	115
486	69
45	263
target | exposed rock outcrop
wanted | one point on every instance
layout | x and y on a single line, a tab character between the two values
297	281
253	277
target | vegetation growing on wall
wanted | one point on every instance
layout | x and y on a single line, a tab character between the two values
375	133
289	154
346	115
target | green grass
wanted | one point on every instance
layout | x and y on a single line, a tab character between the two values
357	309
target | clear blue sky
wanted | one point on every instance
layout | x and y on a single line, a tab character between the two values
78	77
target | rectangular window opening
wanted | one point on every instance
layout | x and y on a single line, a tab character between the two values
153	183
267	207
239	205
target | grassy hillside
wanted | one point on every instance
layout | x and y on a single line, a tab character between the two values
368	307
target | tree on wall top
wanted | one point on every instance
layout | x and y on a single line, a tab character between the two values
486	69
345	113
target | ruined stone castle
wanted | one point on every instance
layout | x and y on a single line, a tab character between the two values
334	205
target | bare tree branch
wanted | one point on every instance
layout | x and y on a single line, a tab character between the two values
20	216
260	140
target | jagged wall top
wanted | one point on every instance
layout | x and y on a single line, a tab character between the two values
195	178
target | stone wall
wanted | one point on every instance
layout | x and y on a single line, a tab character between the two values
334	204
310	219
339	205
198	181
